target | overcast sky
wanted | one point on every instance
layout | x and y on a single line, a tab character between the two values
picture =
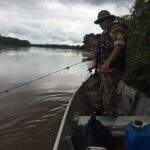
55	21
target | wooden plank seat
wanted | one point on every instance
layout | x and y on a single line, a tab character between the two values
115	124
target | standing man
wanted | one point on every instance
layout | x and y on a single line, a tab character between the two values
113	44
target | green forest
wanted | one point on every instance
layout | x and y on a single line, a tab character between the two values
138	53
8	41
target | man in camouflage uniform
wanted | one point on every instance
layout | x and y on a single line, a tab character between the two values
91	42
112	65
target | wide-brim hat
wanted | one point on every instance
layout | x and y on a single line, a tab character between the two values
102	15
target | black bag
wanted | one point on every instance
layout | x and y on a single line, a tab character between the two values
93	133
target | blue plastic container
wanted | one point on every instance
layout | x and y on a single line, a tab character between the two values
137	138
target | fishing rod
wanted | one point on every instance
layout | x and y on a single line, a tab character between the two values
28	82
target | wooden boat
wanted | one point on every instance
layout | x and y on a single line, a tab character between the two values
131	103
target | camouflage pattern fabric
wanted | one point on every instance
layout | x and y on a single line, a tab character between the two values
116	35
118	32
108	91
92	43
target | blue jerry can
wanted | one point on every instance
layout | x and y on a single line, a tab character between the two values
137	137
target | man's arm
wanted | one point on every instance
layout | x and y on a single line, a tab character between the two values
119	35
115	53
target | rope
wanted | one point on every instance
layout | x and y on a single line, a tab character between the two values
28	82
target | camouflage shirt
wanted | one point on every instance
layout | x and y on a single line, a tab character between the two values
116	35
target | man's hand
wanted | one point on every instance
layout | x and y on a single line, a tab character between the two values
84	59
115	53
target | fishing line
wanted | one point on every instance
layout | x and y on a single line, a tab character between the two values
28	82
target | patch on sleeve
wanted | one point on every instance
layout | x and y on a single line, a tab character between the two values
118	35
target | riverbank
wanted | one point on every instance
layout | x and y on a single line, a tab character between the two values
14	42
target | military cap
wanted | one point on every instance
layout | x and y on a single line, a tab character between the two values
102	15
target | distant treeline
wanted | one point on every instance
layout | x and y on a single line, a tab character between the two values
77	47
9	41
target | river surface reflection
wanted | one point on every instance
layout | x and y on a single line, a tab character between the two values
30	116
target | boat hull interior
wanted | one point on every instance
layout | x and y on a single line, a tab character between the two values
131	104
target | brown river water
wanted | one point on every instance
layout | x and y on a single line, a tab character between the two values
30	116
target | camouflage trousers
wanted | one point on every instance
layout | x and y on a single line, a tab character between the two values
108	91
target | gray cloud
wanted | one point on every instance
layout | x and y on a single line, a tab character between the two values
94	2
55	21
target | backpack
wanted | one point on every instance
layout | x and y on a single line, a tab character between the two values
94	133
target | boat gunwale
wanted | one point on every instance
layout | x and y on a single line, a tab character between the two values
57	141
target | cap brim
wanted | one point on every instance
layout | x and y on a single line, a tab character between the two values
99	20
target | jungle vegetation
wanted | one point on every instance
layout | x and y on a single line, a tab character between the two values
138	48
